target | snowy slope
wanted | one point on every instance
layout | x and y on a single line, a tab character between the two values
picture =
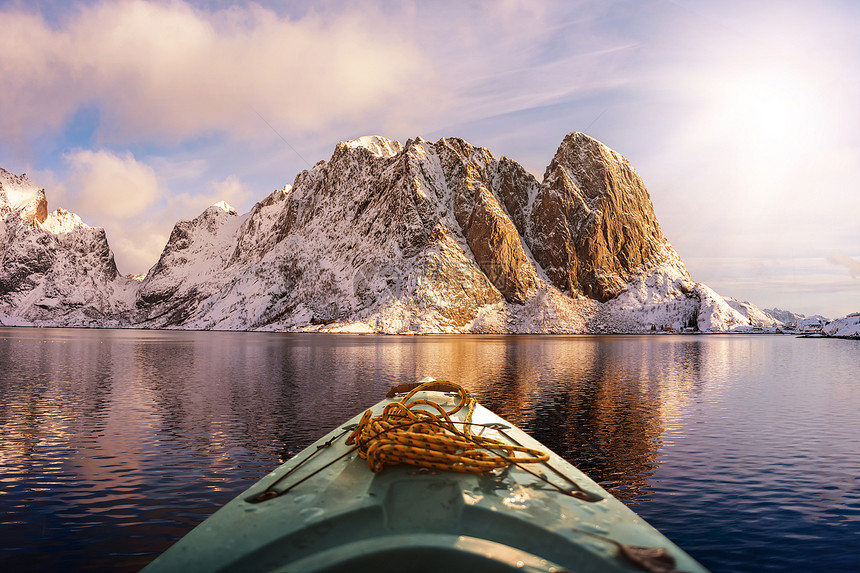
754	315
16	191
846	326
55	269
665	299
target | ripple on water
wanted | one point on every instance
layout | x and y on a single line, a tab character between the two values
741	449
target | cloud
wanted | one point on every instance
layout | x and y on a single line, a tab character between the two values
132	201
189	205
137	250
112	186
852	265
170	70
231	190
174	71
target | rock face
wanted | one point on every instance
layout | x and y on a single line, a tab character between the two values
55	269
19	194
191	264
414	238
592	226
489	231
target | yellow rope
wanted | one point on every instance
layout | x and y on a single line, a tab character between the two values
421	433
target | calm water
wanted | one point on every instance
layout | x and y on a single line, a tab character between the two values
744	450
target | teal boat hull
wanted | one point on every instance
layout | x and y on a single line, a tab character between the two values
324	510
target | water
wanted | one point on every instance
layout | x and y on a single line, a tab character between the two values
744	450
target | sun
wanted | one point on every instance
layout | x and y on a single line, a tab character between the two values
769	108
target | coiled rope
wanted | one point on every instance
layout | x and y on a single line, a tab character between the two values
421	433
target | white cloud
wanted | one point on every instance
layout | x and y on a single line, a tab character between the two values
172	71
132	201
852	265
128	198
137	249
111	186
178	169
231	190
121	194
166	69
189	205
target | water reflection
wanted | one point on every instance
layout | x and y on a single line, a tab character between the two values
114	443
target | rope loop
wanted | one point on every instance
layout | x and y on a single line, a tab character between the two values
420	432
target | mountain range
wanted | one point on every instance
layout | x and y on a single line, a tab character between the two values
422	237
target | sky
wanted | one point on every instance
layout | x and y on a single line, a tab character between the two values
741	117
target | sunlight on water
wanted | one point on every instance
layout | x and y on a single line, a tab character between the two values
741	449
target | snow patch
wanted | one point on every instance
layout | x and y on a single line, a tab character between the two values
376	144
19	190
7	320
223	206
62	221
811	324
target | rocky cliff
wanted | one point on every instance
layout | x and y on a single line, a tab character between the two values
55	269
420	237
593	227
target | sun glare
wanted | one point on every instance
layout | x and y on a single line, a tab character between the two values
770	110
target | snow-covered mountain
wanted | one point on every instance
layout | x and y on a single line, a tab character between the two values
755	315
794	319
420	237
55	269
846	326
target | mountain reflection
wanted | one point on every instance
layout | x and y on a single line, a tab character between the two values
115	443
45	398
254	400
589	399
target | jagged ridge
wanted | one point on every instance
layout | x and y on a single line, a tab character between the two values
383	237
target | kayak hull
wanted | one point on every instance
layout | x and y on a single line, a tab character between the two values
324	510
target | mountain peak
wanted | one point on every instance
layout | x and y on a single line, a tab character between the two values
595	220
62	221
18	193
223	206
580	150
376	144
